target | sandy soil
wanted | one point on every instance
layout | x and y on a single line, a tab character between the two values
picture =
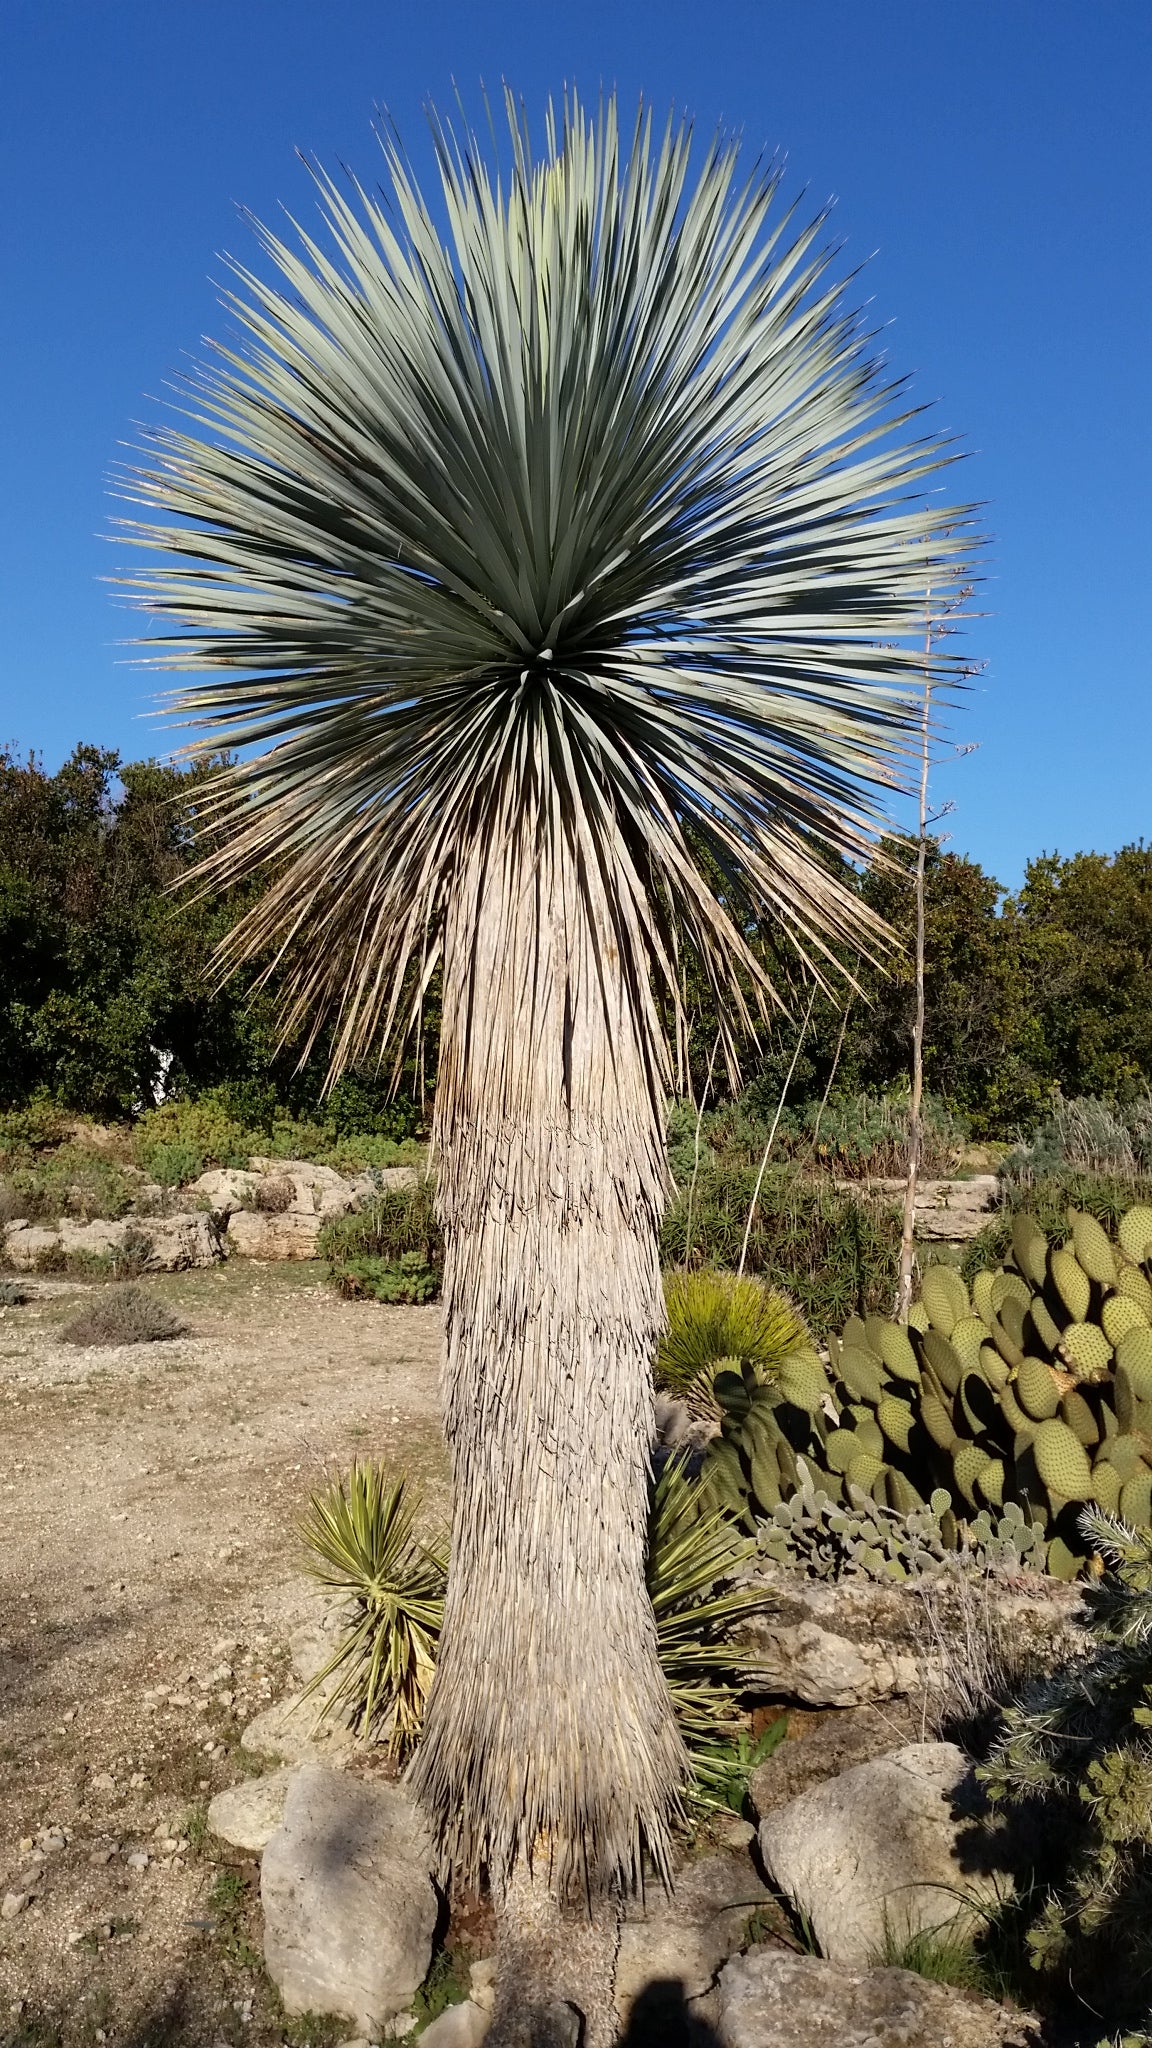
150	1576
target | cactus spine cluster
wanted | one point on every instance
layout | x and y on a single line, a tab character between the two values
1034	1390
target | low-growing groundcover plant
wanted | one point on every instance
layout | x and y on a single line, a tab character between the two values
362	1544
557	577
1078	1747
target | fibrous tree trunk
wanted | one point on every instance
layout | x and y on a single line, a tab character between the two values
550	1759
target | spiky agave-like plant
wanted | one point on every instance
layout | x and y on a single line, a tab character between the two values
557	577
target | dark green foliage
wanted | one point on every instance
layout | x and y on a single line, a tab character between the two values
392	1251
1049	989
104	973
833	1254
853	1137
1078	1747
72	1181
407	1280
399	1221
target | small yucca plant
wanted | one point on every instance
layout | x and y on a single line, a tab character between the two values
716	1321
694	1555
360	1535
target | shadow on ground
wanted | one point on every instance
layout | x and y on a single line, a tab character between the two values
662	2018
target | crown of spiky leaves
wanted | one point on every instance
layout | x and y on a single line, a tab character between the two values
594	502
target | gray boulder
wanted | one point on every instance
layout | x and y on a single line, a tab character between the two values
349	1906
174	1243
771	1999
881	1848
292	1733
462	2026
247	1815
681	1940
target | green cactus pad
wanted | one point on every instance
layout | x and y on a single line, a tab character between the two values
902	1495
945	1297
1093	1249
1044	1325
1062	1461
994	1368
1135	1233
864	1472
802	1381
765	1480
1036	1389
897	1353
1133	1285
895	1419
1106	1486
968	1461
937	1421
990	1482
1134	1354
968	1334
1086	1350
861	1374
1014	1416
919	1318
874	1328
982	1301
942	1358
1121	1314
1071	1283
1062	1562
1075	1411
842	1448
732	1393
1030	1249
1008	1286
1136	1499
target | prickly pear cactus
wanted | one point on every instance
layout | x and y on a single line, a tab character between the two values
1031	1394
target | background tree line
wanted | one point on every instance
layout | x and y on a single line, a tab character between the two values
104	974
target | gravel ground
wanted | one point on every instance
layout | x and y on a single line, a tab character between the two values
150	1576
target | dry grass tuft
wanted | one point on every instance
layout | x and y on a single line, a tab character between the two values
123	1315
274	1194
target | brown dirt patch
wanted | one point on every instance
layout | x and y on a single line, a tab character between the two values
150	1576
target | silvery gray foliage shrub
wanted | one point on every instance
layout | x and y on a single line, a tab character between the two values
829	1540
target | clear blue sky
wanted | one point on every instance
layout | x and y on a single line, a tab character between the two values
996	154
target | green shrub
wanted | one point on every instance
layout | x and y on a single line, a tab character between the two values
205	1127
853	1136
832	1253
173	1162
716	1320
360	1151
31	1129
406	1281
400	1220
72	1181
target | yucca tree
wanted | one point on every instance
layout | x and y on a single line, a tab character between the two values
555	565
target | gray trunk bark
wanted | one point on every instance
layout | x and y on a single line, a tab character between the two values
549	1722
